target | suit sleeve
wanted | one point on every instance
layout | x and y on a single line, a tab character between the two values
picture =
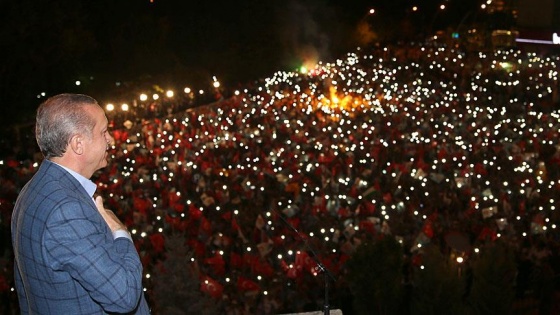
22	295
79	242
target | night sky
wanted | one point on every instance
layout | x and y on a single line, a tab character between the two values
48	45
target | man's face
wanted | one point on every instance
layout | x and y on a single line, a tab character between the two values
98	144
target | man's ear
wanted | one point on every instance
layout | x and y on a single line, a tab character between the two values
77	144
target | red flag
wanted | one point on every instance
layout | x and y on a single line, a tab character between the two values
175	202
211	287
205	225
369	207
284	265
235	260
217	261
294	221
302	261
158	242
263	268
249	259
292	272
428	229
227	216
387	198
141	204
487	234
194	212
246	284
198	247
234	225
343	212
367	225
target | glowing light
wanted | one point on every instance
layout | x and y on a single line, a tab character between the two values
215	82
110	107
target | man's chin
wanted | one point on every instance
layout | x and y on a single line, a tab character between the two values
100	168
103	164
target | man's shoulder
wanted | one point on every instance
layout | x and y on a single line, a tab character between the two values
51	177
51	184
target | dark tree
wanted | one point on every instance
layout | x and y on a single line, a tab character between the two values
375	277
176	288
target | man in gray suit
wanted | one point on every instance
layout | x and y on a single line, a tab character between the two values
72	256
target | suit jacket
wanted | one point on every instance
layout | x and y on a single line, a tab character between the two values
66	260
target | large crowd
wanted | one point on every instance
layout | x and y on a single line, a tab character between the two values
428	144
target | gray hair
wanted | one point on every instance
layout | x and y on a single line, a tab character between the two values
61	117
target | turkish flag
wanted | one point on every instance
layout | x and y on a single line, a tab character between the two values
141	204
343	212
487	234
227	216
428	229
246	284
292	272
217	261
198	247
294	221
480	169
369	207
263	268
158	242
387	198
194	212
175	202
211	286
234	225
301	257
12	163
205	225
367	225
249	259
235	260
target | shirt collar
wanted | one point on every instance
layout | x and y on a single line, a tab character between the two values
88	185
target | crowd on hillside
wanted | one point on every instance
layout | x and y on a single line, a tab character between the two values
427	144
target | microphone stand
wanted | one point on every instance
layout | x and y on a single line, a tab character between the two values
320	266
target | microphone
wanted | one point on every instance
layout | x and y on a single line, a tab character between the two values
326	273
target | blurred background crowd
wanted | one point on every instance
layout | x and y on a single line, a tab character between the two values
249	201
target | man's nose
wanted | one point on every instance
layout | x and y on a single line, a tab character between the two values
110	139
